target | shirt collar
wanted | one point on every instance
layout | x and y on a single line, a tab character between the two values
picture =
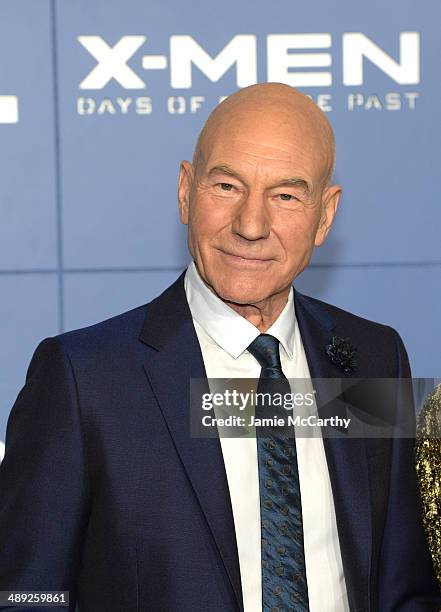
227	328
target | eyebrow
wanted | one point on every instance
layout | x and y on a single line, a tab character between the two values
225	170
288	182
295	182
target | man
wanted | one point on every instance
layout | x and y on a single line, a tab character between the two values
103	490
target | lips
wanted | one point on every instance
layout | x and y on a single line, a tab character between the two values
245	258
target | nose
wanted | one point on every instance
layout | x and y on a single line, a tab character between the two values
252	219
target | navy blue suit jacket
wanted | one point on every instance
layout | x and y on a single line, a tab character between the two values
104	493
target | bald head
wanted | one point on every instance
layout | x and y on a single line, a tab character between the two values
275	106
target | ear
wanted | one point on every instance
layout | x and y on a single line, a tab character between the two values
186	174
330	200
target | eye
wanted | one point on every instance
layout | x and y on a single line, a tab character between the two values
226	186
287	197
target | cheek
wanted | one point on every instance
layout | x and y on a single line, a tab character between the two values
297	236
207	218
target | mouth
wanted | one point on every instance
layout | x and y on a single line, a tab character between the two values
245	259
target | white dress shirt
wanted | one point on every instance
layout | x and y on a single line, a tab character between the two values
224	337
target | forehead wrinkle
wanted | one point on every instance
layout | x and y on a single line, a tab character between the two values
247	154
278	150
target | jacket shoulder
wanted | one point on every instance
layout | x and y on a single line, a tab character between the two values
380	349
105	337
344	318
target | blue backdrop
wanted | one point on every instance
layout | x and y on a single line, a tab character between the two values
101	99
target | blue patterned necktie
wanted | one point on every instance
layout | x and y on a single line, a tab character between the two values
284	586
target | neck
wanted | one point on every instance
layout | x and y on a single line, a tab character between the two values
262	314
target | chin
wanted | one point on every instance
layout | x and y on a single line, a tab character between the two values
242	292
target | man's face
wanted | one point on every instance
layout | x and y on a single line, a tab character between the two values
256	205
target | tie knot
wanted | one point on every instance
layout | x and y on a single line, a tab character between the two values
265	348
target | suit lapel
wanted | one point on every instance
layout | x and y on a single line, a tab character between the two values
173	358
346	458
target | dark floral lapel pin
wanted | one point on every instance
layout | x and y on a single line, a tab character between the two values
342	354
